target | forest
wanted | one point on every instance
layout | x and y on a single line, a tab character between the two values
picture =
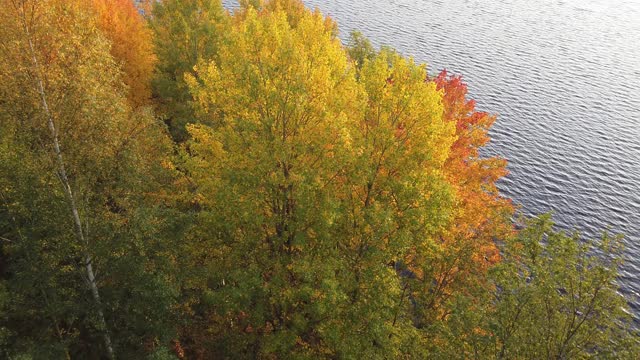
179	181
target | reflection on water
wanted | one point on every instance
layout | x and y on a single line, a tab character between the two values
563	76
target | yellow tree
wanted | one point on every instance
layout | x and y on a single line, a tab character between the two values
278	103
313	186
398	200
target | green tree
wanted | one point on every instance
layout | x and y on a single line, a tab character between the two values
185	31
555	297
360	49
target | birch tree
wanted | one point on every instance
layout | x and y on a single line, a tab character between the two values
68	132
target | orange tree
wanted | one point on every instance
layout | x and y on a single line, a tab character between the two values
131	45
466	249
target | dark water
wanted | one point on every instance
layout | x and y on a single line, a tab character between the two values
563	77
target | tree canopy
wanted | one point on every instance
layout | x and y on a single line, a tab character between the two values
186	182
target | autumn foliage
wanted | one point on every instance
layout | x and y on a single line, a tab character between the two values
202	184
131	45
467	248
481	209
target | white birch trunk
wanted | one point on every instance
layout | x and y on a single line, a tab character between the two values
91	279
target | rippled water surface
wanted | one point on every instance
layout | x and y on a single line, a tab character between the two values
563	77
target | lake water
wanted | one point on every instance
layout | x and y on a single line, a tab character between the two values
563	76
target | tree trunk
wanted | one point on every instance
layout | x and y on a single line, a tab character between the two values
62	173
